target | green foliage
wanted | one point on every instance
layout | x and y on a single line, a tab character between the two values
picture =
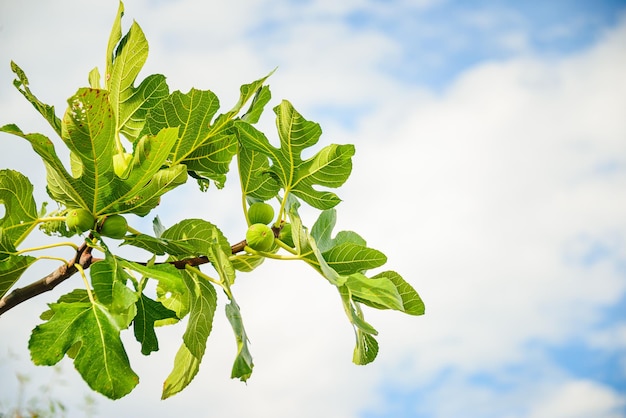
87	332
131	142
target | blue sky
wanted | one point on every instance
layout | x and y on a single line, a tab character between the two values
440	42
490	139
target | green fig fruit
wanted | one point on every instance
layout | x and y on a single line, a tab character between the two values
79	220
285	235
114	226
260	237
121	163
260	213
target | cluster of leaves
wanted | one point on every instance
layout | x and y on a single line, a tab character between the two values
174	136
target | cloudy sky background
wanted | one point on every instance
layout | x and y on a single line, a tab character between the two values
490	168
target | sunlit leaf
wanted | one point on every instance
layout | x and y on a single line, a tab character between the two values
88	130
114	38
205	148
262	96
47	111
158	246
20	210
186	367
412	304
101	359
147	180
108	279
198	234
62	187
98	187
366	349
330	167
246	262
348	258
379	290
323	228
20	214
254	171
187	361
11	269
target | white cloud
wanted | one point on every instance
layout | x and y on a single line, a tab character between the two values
484	197
580	399
501	179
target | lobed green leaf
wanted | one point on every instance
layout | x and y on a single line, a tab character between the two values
90	140
330	167
88	130
133	110
92	336
210	147
20	216
255	177
260	96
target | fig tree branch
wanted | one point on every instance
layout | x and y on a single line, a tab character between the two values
84	258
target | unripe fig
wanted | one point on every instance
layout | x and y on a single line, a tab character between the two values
79	220
260	213
260	237
114	226
285	235
121	162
